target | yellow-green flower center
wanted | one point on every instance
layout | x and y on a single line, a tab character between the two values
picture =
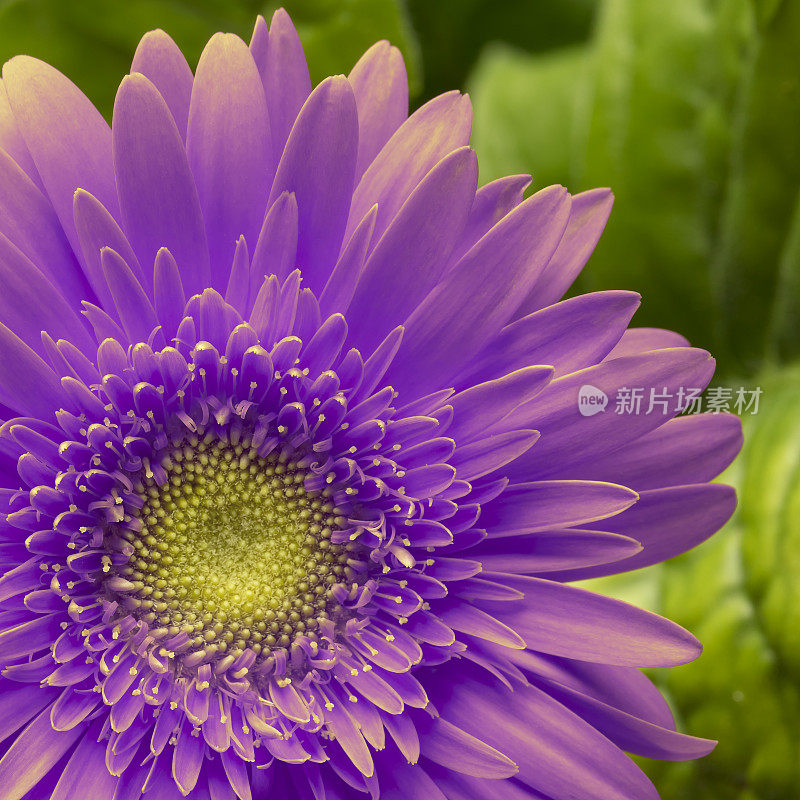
233	550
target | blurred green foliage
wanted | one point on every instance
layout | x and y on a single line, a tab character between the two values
92	41
690	111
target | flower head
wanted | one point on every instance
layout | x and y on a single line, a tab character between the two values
295	478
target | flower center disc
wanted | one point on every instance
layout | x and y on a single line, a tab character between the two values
233	550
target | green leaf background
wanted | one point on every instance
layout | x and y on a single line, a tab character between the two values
690	111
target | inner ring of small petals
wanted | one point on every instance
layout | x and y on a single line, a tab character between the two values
230	549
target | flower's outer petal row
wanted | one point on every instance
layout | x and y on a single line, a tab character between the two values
158	196
68	139
640	340
229	148
380	87
281	63
159	59
30	223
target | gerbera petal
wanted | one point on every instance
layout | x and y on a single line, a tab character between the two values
483	456
160	206
68	139
134	309
574	437
30	304
667	522
547	551
492	202
575	623
229	148
27	384
558	753
424	231
284	73
587	219
570	335
529	507
628	732
425	138
318	166
11	140
86	771
20	703
97	229
694	448
640	340
451	324
33	753
28	220
159	59
380	87
492	400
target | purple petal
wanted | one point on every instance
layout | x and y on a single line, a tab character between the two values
69	140
465	618
28	220
627	731
411	255
528	507
546	551
33	753
135	312
492	202
168	293
575	623
187	758
97	229
640	340
571	335
284	73
276	247
569	438
465	310
694	448
27	384
160	60
448	745
318	165
229	148
30	304
341	285
160	207
19	704
380	87
590	211
425	138
86	772
11	140
483	456
558	753
667	522
477	406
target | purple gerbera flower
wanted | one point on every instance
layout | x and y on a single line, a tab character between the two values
291	505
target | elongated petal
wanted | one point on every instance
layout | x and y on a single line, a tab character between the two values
229	148
465	310
33	753
380	87
160	60
425	138
575	623
410	257
69	140
571	335
160	207
27	384
318	166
